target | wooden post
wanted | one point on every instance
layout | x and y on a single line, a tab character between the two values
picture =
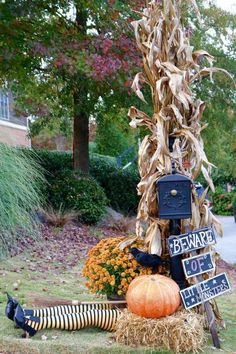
209	312
207	307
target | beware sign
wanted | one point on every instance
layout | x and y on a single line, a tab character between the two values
205	290
191	241
196	265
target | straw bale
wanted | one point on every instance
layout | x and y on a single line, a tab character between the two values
181	332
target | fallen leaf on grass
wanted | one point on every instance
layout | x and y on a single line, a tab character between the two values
16	270
109	342
15	286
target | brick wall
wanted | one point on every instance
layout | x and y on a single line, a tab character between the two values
14	136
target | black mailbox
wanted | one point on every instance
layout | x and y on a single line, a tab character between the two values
174	195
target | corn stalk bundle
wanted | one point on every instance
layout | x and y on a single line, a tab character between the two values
170	67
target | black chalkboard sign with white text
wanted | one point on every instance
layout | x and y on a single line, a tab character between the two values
191	241
195	266
199	264
205	290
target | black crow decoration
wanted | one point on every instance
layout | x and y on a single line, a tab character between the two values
147	260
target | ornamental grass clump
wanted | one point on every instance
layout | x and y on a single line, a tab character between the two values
20	196
109	269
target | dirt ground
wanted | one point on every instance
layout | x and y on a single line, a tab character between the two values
62	248
223	266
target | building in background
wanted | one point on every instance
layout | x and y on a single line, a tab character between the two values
13	129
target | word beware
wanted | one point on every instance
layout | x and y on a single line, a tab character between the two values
204	291
196	265
191	241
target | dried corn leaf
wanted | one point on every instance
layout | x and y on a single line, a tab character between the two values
209	71
198	110
127	242
204	215
207	178
176	84
203	196
153	238
134	112
136	25
217	225
199	54
161	89
144	118
136	86
177	114
196	218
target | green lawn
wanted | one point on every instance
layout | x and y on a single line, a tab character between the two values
70	284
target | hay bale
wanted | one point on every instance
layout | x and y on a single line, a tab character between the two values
181	332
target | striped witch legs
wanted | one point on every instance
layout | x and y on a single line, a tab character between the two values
68	317
104	319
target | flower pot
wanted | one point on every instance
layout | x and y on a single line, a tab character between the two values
115	297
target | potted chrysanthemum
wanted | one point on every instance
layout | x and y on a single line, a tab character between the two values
109	269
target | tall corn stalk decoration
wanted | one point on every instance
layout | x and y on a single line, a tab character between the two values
170	66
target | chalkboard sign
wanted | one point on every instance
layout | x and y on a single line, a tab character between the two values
191	241
196	265
205	290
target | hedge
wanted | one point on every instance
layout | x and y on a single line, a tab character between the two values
223	201
119	185
80	193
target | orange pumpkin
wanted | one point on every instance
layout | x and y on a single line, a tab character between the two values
153	296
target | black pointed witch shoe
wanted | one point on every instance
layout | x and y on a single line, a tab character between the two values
21	321
10	307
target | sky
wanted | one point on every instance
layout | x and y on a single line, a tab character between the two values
229	5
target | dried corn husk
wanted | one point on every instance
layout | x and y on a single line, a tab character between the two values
170	66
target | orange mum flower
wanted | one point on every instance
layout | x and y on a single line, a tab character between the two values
109	270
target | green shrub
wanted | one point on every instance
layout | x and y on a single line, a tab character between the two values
79	193
222	177
20	195
223	201
53	162
118	184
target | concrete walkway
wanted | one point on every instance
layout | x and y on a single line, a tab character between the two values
226	246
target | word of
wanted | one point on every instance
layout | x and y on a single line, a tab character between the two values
196	265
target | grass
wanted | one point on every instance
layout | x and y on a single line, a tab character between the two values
21	181
69	284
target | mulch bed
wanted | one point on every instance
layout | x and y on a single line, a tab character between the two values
223	266
62	248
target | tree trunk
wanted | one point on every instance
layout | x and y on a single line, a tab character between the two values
81	114
80	133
